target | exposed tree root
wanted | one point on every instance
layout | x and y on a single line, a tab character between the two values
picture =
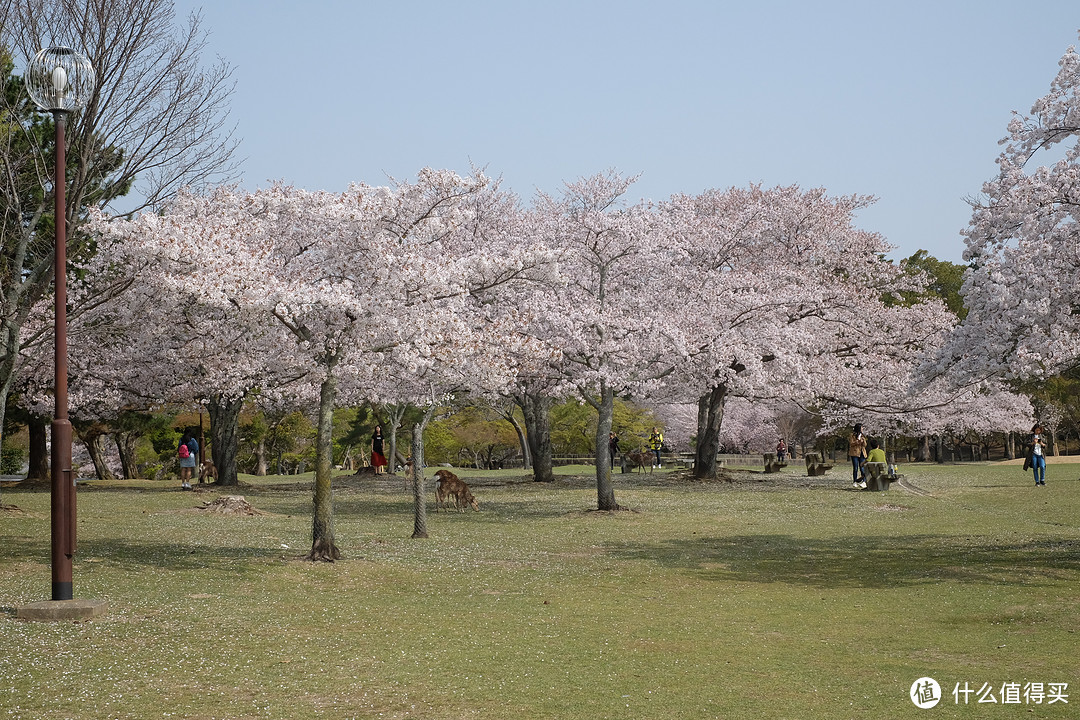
323	550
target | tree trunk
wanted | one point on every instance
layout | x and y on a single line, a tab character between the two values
225	437
9	348
394	415
260	457
940	449
523	440
605	489
419	485
1010	451
323	546
39	449
710	418
537	411
126	445
95	446
923	453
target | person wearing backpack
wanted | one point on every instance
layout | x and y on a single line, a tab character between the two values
187	460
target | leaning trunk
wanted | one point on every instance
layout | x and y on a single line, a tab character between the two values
126	445
323	546
523	441
710	418
225	437
95	447
39	449
605	488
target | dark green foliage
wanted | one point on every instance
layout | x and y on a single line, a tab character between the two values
287	441
12	459
573	426
945	280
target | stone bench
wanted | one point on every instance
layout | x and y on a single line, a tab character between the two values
772	465
815	466
877	476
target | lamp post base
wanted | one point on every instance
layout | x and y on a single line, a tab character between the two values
70	610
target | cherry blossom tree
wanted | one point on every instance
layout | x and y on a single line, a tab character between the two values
357	280
301	262
779	293
157	120
1023	244
606	319
168	337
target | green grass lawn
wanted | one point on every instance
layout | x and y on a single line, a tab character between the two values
719	600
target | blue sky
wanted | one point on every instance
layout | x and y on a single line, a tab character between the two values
904	101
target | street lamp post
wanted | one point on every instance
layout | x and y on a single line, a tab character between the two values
60	81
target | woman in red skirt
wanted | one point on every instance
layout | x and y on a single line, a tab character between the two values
378	460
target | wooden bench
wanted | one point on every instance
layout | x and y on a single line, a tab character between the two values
877	476
815	466
772	465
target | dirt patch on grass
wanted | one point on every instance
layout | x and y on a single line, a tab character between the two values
12	510
230	505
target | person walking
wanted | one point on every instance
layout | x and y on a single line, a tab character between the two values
1038	454
857	455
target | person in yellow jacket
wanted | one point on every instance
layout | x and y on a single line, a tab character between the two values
656	443
876	453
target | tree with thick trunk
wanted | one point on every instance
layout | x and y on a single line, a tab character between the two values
710	418
93	435
39	449
127	442
225	436
536	410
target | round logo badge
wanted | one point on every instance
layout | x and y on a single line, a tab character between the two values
925	692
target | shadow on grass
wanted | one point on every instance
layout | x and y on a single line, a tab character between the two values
863	562
123	553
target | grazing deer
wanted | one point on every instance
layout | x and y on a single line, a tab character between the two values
640	458
207	471
450	485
